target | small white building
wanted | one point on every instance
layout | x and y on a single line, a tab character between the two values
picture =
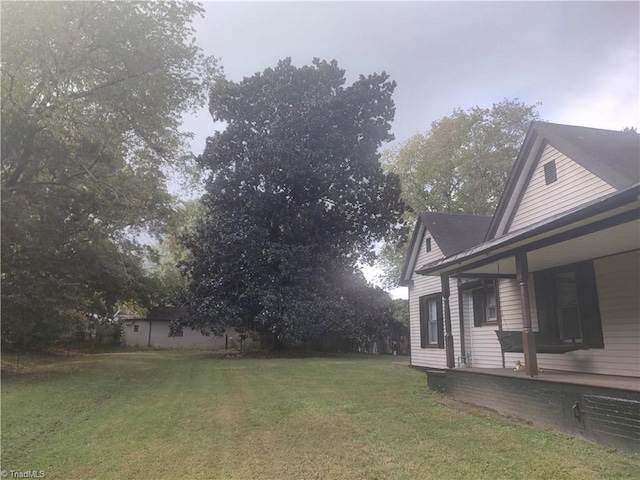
154	332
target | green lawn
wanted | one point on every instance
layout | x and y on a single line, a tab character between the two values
166	414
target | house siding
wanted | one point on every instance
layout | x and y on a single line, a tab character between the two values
575	186
132	338
427	285
160	336
481	343
512	313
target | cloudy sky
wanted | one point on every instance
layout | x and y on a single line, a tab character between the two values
578	59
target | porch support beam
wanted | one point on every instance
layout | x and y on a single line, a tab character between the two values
528	337
448	336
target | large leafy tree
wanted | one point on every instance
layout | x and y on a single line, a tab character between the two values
92	95
459	166
296	197
169	253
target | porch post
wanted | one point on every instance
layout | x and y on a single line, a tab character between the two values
528	337
448	336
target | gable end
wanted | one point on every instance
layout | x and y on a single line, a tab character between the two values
610	156
555	184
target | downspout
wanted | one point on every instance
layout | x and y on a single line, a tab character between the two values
149	341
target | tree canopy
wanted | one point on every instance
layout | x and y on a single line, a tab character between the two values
92	96
460	165
169	254
295	198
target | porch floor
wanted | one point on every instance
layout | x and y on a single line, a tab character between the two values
587	379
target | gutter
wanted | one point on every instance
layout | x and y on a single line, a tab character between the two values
500	246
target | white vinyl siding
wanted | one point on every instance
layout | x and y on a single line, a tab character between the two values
481	343
428	285
135	338
160	337
511	311
575	186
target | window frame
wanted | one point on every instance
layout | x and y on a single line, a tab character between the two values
588	306
479	298
177	333
423	306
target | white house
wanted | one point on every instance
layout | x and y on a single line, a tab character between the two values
153	331
551	280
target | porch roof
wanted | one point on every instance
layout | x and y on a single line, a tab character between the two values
606	226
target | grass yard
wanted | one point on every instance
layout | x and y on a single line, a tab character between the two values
168	414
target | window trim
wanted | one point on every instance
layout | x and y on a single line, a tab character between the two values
177	333
547	305
478	294
423	308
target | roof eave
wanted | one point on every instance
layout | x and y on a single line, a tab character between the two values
499	247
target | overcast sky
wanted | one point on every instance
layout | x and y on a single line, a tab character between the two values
579	59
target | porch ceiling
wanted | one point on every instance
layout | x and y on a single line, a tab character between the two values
610	241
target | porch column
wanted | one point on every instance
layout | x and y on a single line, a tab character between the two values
528	337
448	336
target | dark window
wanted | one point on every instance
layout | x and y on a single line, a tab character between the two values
485	304
135	328
567	305
550	174
431	327
570	327
177	333
428	244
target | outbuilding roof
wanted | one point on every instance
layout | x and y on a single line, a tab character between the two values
167	314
